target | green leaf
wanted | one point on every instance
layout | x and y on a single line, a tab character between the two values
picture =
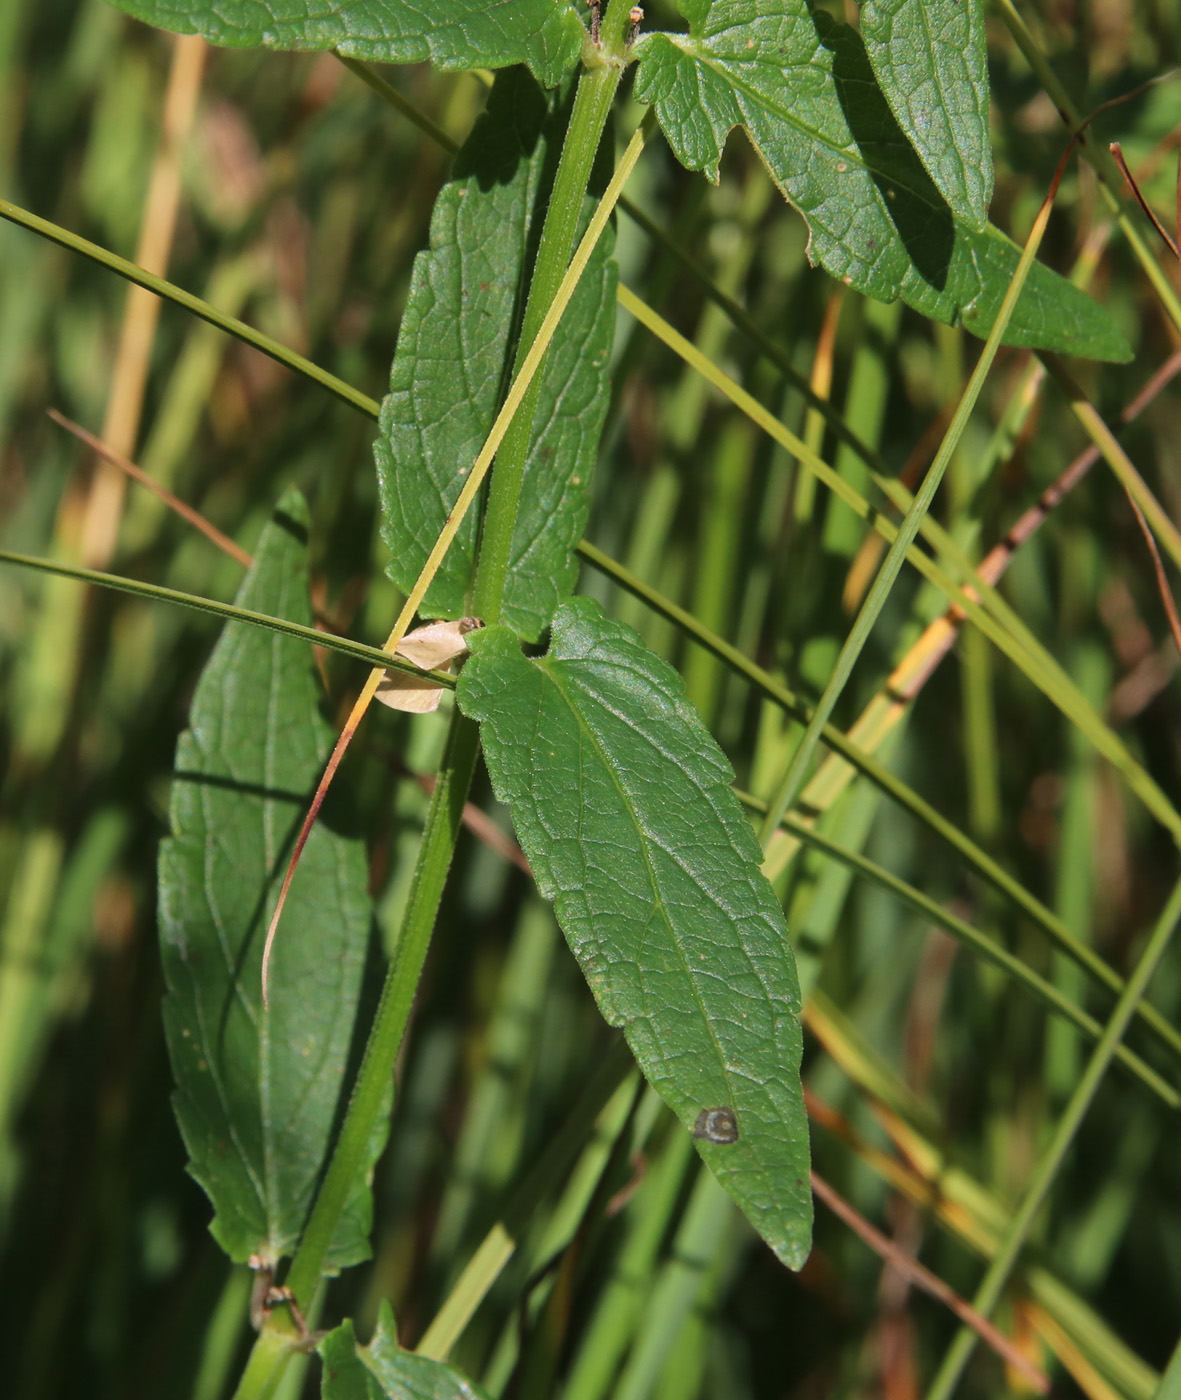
545	34
801	85
346	1377
258	1092
931	62
622	802
452	364
383	1369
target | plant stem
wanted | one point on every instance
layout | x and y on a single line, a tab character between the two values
268	1360
592	105
393	1011
591	108
349	1156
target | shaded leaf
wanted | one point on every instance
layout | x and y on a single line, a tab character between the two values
545	34
931	62
622	802
383	1369
801	85
452	364
258	1092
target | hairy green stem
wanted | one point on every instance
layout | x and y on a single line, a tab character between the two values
592	106
401	982
274	1345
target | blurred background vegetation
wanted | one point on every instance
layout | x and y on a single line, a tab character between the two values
300	202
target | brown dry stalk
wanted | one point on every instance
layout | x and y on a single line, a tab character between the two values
104	508
922	1277
1171	242
185	511
1162	581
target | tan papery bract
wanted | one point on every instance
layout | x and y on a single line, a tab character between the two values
431	647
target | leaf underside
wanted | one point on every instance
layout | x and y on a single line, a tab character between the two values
801	85
622	802
452	365
257	1093
383	1369
455	34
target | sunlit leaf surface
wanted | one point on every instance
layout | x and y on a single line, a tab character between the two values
544	34
622	802
801	85
452	364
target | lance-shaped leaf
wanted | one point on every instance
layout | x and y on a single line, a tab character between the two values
545	34
257	1093
622	802
931	62
383	1371
801	85
452	364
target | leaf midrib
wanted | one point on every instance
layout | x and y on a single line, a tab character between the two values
549	669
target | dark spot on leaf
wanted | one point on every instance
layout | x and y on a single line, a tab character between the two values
717	1125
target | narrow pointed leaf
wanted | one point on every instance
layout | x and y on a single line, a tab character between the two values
622	802
383	1371
931	63
257	1093
451	369
801	85
545	34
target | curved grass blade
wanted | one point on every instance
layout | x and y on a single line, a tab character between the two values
622	803
230	611
982	944
258	1093
169	291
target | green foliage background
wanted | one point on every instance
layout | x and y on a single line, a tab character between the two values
305	200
